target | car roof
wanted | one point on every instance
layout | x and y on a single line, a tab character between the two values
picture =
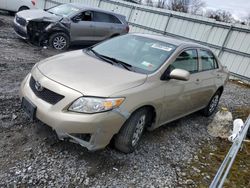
172	40
84	7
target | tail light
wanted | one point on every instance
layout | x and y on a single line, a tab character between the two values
127	29
33	2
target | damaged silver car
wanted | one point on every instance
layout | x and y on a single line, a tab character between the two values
67	24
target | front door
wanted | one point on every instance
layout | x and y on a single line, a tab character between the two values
182	97
82	27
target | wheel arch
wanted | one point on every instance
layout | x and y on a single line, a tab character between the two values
151	109
221	89
114	35
23	7
58	30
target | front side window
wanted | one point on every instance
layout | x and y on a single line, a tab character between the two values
86	16
187	60
208	61
144	54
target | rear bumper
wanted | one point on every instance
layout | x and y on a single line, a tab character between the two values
101	126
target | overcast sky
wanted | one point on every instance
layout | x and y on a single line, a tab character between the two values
238	8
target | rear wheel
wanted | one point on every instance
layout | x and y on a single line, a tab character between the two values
59	41
212	105
130	134
23	8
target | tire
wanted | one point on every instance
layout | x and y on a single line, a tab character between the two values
113	36
23	8
212	105
59	41
129	135
248	133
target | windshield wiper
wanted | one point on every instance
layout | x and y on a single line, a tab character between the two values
125	65
112	60
100	56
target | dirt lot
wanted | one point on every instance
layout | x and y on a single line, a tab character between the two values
175	155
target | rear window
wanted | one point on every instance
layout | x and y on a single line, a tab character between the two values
107	18
208	61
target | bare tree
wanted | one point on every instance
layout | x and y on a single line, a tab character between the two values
220	15
196	6
148	2
178	5
161	4
247	19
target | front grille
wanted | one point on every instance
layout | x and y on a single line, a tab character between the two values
45	94
21	21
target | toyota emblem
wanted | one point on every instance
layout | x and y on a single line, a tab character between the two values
38	86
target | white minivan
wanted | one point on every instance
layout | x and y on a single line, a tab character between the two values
17	5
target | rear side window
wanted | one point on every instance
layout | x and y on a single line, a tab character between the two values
103	17
208	61
187	60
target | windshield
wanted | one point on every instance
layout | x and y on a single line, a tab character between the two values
145	55
63	10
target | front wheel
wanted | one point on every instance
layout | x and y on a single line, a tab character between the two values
59	41
130	134
212	105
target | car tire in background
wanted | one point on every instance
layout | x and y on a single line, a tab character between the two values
212	105
130	134
248	133
59	41
23	8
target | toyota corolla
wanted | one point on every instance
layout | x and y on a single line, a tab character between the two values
120	87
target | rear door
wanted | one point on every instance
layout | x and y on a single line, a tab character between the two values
210	75
106	25
182	97
15	5
82	27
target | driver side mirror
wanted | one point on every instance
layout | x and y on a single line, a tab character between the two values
177	74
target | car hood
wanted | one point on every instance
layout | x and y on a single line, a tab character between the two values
89	75
38	15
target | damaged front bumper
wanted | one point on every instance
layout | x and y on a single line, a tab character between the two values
93	131
20	27
37	31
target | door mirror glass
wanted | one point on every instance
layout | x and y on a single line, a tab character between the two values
179	74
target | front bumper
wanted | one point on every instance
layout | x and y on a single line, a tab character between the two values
101	126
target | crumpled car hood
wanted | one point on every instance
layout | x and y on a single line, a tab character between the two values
89	75
38	15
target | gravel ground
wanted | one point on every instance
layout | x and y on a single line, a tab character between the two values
30	155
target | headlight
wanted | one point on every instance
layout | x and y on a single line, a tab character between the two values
92	105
